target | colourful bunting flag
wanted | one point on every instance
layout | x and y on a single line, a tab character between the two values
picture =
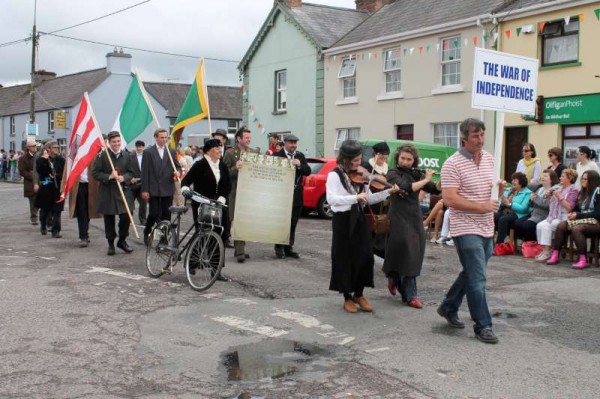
475	40
519	31
581	17
597	12
421	50
485	37
567	20
542	24
427	47
507	32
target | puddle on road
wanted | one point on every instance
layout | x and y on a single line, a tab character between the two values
274	359
504	315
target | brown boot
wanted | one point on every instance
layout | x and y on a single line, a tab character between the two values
362	302
349	306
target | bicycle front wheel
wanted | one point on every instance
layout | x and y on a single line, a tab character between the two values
204	260
158	252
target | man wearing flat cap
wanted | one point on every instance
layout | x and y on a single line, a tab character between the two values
26	166
110	202
290	145
136	181
221	135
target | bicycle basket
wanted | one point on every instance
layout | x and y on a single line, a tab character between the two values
210	214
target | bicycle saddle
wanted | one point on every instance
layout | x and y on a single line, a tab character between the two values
178	209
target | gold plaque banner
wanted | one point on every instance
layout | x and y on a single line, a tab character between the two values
263	203
60	120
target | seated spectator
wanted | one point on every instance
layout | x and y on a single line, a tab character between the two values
514	204
525	228
582	223
586	157
562	201
530	165
555	156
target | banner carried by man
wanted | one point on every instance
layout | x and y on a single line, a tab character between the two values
84	145
135	114
194	108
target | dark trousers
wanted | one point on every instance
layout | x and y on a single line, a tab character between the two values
136	191
82	211
503	223
579	232
50	214
525	229
33	211
159	210
109	227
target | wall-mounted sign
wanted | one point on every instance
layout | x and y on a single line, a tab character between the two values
572	109
31	129
60	120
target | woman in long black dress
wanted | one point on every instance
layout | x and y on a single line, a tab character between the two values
405	248
50	167
351	247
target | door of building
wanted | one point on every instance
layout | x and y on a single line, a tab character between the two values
513	144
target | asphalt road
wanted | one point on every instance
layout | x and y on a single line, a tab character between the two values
77	323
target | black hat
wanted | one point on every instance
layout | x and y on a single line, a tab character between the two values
140	143
381	148
220	132
290	137
113	134
210	144
350	149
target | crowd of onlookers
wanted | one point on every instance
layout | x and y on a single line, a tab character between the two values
541	207
8	165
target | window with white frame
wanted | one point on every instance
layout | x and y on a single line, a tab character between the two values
13	126
352	133
391	70
51	121
560	42
348	76
451	61
232	126
281	90
446	134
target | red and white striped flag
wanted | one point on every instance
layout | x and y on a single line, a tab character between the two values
84	145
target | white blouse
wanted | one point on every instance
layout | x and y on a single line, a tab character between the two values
341	200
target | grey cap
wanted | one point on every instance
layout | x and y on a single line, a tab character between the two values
220	132
350	149
290	137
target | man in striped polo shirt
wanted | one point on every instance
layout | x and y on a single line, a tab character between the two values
467	179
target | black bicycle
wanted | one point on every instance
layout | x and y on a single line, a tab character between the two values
204	251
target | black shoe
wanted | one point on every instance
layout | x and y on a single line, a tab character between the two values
143	222
44	231
247	256
228	243
124	246
279	252
221	278
241	258
487	336
83	243
292	254
56	235
111	250
34	222
453	320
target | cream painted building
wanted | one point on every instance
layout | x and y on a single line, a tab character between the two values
564	37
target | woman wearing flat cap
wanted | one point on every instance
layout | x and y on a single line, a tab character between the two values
351	248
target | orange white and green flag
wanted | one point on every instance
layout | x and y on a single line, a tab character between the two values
194	108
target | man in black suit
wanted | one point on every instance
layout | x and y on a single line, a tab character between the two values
302	169
221	135
158	184
136	181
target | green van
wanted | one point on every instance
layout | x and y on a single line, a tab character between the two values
431	156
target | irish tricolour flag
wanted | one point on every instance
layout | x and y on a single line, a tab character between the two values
136	113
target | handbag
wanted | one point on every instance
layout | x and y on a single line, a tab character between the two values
378	223
531	249
505	248
575	222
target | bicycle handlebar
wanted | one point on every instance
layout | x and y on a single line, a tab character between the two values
188	193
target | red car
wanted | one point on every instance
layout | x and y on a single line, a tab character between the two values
314	186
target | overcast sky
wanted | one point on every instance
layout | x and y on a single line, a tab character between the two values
202	28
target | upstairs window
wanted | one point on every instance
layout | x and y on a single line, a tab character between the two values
451	61
232	126
352	133
560	42
281	91
391	70
348	76
51	121
13	127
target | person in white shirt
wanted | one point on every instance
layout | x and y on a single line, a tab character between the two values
586	157
136	181
352	248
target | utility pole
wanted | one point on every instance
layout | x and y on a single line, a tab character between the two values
33	51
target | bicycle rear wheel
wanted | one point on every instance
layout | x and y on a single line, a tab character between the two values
158	252
204	260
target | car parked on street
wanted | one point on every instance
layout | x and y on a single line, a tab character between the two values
314	186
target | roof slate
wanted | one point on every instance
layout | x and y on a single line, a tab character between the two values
60	92
225	102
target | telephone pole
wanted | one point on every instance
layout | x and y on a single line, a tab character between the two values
33	51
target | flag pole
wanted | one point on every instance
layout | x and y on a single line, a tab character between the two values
112	166
147	99
205	89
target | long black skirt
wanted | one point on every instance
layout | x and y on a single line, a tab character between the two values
351	253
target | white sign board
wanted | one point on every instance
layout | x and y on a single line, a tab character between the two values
31	129
504	82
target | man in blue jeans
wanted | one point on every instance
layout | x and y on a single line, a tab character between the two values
467	179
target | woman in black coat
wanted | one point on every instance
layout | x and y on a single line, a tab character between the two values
405	247
50	166
209	176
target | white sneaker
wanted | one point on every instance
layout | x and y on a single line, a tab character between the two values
440	240
433	241
449	242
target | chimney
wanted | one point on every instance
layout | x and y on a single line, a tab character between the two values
41	76
371	6
290	3
118	62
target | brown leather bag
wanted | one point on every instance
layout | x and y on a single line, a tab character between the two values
378	224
